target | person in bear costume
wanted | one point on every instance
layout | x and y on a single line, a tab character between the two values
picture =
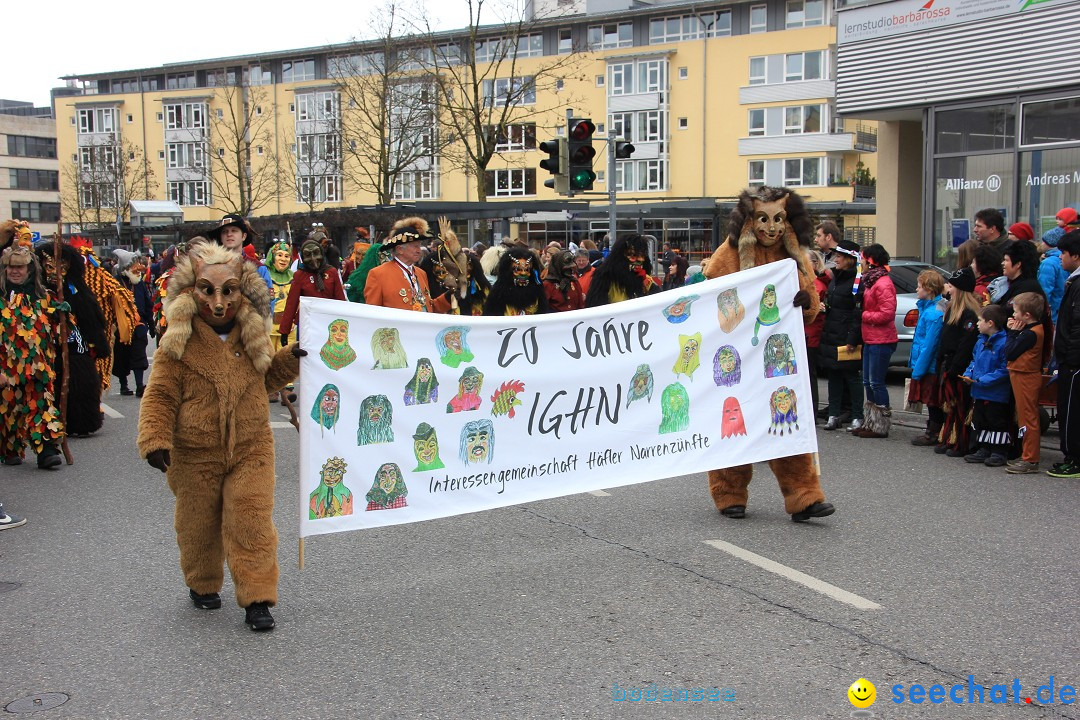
205	422
770	224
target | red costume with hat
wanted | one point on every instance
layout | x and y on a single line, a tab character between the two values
395	285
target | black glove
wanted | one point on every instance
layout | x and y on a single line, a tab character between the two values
284	340
161	459
802	300
299	352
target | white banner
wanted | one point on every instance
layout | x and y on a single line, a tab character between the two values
409	416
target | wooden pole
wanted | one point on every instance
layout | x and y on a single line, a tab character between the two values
63	344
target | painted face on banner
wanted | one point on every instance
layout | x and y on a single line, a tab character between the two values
453	340
332	476
727	361
522	271
426	449
217	292
471	383
339	333
388	477
329	404
477	446
783	402
424	372
375	411
770	219
768	297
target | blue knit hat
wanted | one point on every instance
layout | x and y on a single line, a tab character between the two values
1051	236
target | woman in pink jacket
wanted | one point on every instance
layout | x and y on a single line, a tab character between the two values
879	339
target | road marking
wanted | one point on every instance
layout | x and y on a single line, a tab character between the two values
110	412
599	493
800	577
278	425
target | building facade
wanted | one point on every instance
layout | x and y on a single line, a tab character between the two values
714	97
978	106
29	175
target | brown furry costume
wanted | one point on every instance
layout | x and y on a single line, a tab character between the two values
782	218
206	405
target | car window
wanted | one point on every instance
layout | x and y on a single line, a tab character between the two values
906	277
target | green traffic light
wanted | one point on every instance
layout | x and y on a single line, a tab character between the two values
582	179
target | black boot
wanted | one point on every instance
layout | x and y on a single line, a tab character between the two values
257	616
209	601
930	437
124	389
734	511
49	458
818	509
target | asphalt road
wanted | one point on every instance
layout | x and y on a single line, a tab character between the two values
552	609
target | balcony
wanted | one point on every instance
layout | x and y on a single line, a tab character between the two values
865	193
865	138
797	143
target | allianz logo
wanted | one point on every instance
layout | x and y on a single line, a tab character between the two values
991	183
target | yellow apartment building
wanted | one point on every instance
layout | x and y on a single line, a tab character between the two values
715	96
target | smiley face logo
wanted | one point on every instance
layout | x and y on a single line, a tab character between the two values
862	693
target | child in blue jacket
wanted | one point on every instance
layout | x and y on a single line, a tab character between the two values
990	389
925	385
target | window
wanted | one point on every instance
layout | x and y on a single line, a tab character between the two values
804	13
35	212
180	81
297	70
130	119
683	123
489	50
29	146
97	120
803	66
640	175
614	35
512	182
516	137
152	84
349	65
258	75
802	171
622	79
193	192
599	81
512	91
566	41
221	78
161	155
802	119
414	186
416	58
755	174
34	179
621	125
677	28
758	18
321	105
989	127
318	188
650	76
316	148
1050	121
649	126
530	45
185	116
185	155
684	73
756	124
161	117
448	54
757	71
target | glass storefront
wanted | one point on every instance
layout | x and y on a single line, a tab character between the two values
1020	156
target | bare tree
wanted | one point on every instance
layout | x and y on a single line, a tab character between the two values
485	94
246	172
389	129
102	179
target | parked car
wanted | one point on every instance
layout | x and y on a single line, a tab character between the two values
905	276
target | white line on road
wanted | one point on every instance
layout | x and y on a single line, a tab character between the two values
800	577
599	493
274	425
110	412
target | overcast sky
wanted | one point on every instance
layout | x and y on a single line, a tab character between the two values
45	40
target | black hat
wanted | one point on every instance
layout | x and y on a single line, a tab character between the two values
963	279
405	235
234	220
847	247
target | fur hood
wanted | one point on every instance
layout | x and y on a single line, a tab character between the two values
253	316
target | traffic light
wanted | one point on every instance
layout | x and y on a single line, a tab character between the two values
623	149
580	154
555	163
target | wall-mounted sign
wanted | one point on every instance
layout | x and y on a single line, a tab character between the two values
904	16
990	182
